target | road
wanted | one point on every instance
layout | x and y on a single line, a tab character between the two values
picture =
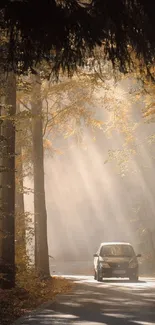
112	302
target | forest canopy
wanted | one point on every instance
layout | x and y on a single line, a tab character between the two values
65	32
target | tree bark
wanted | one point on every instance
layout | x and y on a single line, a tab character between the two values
40	214
8	185
1	148
19	198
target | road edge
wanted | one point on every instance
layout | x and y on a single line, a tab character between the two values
32	313
40	308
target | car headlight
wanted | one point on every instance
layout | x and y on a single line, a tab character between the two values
104	265
133	265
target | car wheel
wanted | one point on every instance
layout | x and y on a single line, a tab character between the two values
134	278
98	276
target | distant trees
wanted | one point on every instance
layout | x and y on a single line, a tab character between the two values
134	161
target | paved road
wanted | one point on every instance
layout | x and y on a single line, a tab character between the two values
112	302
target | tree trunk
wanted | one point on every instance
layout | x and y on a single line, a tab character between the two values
8	185
1	148
20	211
40	214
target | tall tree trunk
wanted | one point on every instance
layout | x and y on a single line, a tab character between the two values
1	148
19	198
41	244
8	184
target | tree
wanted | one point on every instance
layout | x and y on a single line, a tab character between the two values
20	224
40	214
8	183
65	32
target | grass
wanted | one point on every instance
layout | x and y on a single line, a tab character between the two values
17	302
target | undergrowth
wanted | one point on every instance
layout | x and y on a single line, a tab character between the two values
29	293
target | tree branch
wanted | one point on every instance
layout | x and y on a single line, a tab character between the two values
21	102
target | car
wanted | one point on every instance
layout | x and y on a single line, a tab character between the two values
116	259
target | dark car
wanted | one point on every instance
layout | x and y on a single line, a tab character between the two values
116	260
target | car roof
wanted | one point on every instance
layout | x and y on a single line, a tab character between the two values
115	243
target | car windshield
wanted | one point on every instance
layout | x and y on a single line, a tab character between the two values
117	250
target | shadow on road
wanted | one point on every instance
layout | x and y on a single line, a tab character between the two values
94	305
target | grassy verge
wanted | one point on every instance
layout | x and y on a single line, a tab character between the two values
17	302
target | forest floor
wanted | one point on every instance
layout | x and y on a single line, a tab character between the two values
21	300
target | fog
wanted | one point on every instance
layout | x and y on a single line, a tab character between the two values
89	201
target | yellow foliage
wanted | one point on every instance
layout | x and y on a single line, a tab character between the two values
28	294
149	112
47	144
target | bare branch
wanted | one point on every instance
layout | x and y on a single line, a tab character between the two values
21	102
47	120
